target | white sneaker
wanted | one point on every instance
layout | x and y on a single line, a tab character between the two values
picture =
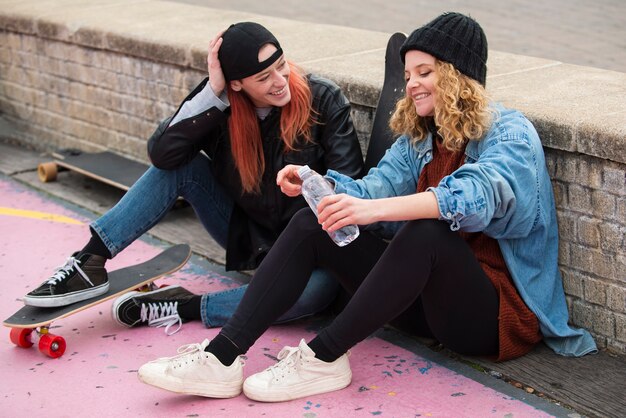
296	375
195	372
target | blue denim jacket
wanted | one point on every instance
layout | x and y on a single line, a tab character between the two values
502	189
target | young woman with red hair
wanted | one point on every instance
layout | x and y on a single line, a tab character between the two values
254	114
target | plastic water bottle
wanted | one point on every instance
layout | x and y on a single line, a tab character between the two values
314	188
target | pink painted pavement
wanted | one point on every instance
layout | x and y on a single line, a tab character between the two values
97	374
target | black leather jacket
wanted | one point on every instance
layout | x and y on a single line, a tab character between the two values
258	219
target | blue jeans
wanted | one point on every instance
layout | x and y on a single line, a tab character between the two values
154	194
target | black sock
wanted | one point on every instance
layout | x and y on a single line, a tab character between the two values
190	310
321	351
96	246
224	349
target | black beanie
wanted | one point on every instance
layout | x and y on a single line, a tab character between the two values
239	53
454	38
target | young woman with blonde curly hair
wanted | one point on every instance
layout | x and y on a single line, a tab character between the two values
459	240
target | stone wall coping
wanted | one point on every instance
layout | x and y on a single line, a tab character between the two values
576	109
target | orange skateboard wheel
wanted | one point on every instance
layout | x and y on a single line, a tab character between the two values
47	172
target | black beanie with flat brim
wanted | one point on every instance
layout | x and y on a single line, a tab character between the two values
454	38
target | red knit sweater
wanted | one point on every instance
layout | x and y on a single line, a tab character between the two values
518	326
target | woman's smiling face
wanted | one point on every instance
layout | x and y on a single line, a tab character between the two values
269	87
421	77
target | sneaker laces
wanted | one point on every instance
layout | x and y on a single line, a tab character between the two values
182	351
190	352
289	358
186	353
162	314
64	270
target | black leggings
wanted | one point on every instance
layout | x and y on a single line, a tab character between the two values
426	271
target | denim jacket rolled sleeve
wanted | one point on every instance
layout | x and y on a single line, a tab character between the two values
484	193
503	189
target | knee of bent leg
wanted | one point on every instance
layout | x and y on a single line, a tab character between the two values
427	227
427	231
305	220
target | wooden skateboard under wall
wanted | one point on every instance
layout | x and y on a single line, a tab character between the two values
32	318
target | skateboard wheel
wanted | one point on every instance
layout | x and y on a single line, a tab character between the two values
21	337
52	345
47	172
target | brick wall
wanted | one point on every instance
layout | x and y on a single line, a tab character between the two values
62	94
68	96
591	209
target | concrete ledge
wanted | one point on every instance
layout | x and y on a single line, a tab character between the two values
577	109
99	74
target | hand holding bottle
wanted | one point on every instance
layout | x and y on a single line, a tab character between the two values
314	188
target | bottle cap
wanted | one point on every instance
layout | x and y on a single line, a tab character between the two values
303	171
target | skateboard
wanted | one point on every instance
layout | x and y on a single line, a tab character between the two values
32	318
381	137
106	166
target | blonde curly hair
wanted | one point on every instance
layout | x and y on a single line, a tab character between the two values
461	110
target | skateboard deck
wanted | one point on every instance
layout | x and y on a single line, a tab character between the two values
106	166
32	318
381	137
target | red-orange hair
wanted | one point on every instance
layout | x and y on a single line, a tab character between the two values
246	145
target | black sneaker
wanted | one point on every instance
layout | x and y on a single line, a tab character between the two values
158	308
82	277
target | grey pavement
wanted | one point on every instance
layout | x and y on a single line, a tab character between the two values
583	32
